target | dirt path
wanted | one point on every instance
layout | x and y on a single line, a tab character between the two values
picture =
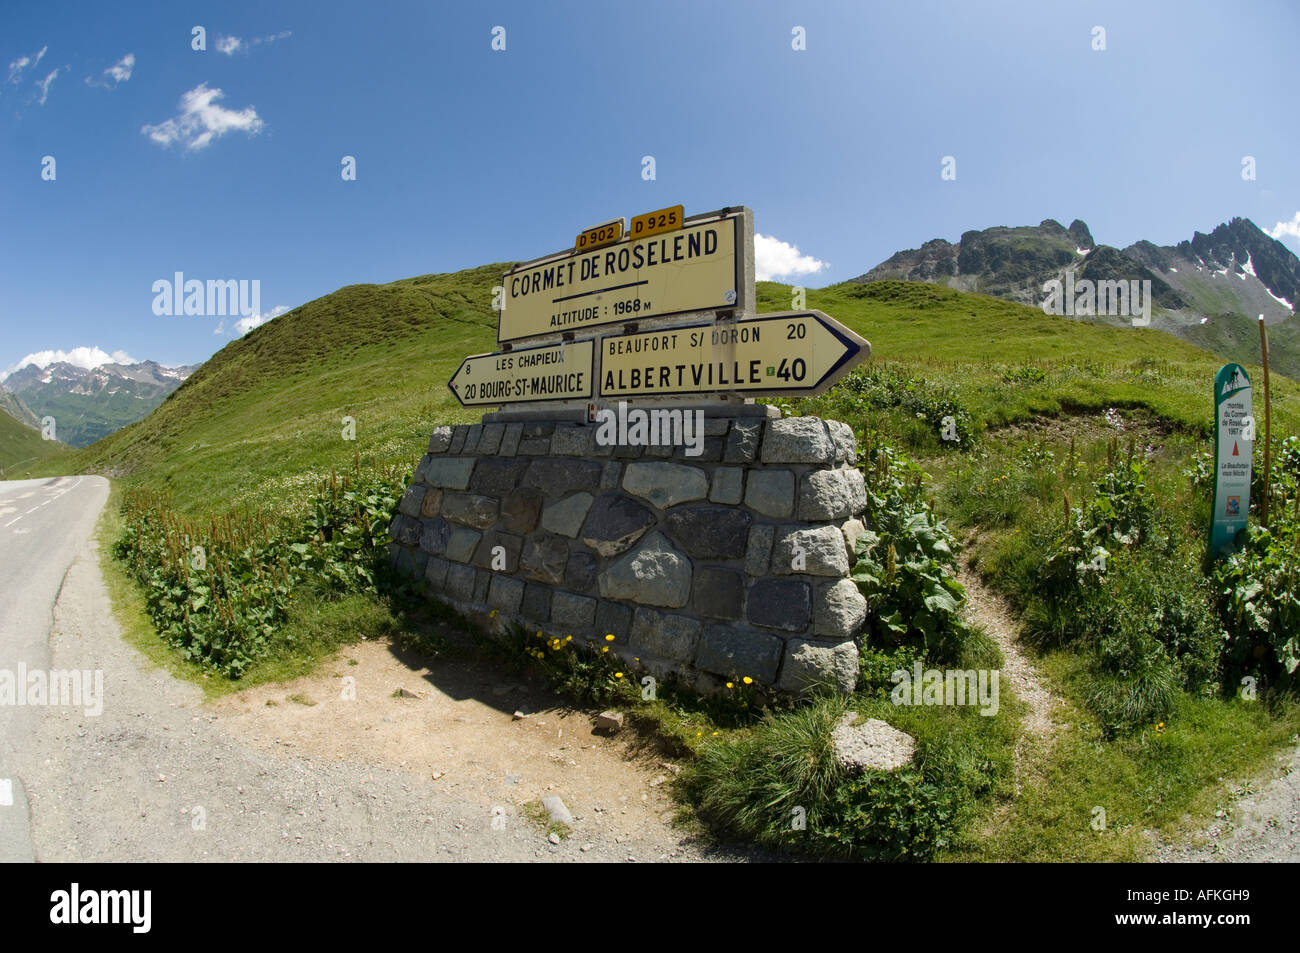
990	612
161	775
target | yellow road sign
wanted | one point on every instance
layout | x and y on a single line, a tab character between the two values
704	265
652	223
599	235
794	352
557	372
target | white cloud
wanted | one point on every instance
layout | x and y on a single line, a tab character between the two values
244	325
87	357
45	85
774	259
17	66
230	45
201	120
1290	229
116	74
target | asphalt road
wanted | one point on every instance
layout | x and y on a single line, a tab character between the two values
43	526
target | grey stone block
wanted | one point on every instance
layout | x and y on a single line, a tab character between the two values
411	500
819	549
571	440
572	610
580	572
461	543
742	441
710	532
779	604
435	572
506	593
666	484
510	439
457	438
718	593
470	509
440	440
460	582
450	473
771	492
490	440
613	619
486	553
539	428
497	476
534	446
840	611
536	607
544	558
716	426
610	474
557	478
809	664
728	485
797	440
406	530
655	573
565	517
758	551
472	436
831	495
665	635
434	534
846	445
614	523
735	651
481	582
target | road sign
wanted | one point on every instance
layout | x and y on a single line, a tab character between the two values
791	353
705	265
1234	446
599	235
557	372
652	223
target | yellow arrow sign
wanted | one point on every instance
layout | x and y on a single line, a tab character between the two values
794	352
558	372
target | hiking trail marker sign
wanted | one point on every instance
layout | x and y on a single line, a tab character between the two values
1234	445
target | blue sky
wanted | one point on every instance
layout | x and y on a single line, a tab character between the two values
466	155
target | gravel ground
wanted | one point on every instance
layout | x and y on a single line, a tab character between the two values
1258	827
160	776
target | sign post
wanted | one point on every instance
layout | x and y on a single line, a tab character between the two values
555	372
1234	444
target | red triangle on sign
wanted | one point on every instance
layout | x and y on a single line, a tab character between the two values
1234	449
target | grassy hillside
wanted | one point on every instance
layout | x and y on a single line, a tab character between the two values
1041	404
23	452
262	420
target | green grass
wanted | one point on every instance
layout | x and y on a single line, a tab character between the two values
24	453
260	424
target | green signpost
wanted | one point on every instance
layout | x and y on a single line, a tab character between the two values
1234	444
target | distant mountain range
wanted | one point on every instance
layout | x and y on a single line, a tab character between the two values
1208	290
88	404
